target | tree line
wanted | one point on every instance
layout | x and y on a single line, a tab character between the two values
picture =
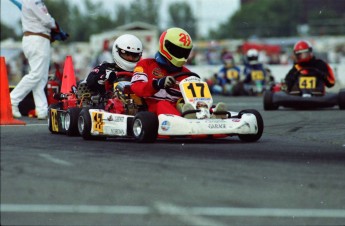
264	18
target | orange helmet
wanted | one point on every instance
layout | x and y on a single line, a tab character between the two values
303	51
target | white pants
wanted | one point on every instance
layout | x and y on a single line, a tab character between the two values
37	50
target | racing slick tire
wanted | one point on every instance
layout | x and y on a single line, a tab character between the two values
260	123
50	121
71	121
341	99
145	127
268	101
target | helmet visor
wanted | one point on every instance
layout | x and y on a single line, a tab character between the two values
303	56
177	51
129	56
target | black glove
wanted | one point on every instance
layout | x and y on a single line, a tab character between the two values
58	34
164	82
110	76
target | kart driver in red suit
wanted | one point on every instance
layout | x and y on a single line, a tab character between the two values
153	76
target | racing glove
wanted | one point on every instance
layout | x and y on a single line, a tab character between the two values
110	76
164	82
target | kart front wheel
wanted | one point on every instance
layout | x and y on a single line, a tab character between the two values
341	99
260	125
268	101
71	121
145	127
84	124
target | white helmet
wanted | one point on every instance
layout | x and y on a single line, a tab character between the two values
252	56
127	51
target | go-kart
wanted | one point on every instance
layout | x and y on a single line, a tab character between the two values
307	93
145	126
63	115
257	85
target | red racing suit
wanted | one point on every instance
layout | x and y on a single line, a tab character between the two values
158	101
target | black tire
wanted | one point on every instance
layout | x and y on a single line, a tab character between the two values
84	124
52	106
260	123
268	101
71	121
145	127
341	99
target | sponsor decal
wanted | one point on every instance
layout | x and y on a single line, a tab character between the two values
118	131
192	79
216	126
119	119
139	69
165	126
236	120
157	72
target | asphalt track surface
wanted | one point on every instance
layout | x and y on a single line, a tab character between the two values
294	175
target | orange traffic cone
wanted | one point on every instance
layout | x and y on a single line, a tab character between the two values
68	77
6	116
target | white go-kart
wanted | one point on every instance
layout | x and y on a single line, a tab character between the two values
126	116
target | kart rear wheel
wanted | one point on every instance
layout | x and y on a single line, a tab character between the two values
260	124
145	127
84	124
71	121
268	101
50	121
341	99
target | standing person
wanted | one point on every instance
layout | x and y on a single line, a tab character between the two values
152	76
305	59
37	24
126	52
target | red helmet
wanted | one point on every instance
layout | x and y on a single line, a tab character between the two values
303	51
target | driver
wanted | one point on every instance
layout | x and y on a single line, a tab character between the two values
127	51
153	76
304	58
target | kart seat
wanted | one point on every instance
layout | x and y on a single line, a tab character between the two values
83	91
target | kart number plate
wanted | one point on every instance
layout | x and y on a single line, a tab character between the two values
307	82
257	75
196	90
232	74
98	123
55	122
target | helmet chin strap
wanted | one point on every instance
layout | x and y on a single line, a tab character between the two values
166	64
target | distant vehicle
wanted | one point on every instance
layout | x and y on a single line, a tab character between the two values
307	93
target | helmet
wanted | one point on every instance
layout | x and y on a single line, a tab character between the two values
303	51
127	51
228	60
175	45
252	56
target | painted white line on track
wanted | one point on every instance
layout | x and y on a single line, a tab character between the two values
55	160
182	214
198	211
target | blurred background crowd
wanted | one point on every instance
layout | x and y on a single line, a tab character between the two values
271	27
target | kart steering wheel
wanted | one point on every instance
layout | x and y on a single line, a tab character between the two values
124	75
312	71
180	74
